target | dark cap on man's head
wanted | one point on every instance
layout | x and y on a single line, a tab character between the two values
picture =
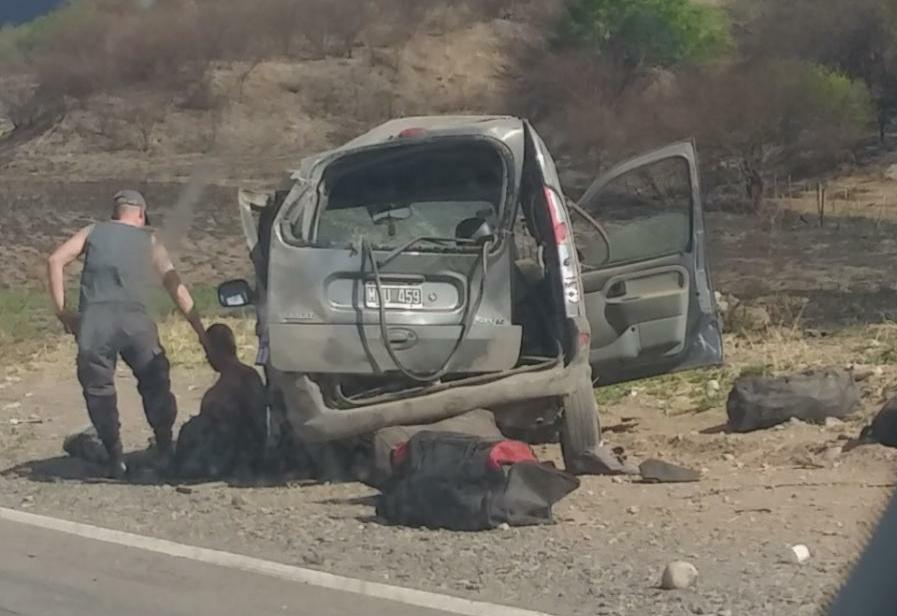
131	197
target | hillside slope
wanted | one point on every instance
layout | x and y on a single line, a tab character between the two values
251	121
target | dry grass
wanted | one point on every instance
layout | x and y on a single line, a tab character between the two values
776	351
30	335
860	196
184	351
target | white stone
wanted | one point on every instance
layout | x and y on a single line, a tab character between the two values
678	575
798	554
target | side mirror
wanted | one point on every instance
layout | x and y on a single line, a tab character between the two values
235	294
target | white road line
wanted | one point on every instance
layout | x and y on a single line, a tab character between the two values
407	596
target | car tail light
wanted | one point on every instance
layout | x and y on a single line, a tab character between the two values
557	222
570	281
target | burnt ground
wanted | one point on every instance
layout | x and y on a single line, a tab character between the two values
828	293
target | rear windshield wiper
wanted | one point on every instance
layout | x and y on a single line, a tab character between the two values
419	240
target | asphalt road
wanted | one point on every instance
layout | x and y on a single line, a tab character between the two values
49	573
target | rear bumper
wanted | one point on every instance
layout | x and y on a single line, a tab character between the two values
341	349
311	418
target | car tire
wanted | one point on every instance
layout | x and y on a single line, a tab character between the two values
580	428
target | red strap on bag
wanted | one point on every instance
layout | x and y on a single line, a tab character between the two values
510	452
503	453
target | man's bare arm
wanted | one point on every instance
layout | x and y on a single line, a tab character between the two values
176	288
68	252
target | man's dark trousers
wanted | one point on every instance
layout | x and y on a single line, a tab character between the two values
111	329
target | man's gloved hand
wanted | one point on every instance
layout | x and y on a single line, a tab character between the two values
71	321
196	323
203	340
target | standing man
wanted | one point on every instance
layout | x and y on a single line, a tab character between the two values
122	260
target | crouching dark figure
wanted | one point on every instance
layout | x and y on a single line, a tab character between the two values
228	436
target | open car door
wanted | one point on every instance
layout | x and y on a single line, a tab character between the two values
639	230
257	213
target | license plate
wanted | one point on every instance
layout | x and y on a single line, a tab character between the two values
404	297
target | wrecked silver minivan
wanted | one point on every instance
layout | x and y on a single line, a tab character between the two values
433	266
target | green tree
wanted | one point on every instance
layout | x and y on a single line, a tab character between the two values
856	37
776	116
647	33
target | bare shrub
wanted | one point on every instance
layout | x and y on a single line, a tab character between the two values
752	120
201	96
773	116
17	100
346	28
858	37
145	118
70	64
405	18
593	110
280	22
329	25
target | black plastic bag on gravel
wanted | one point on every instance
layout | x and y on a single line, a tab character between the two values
883	429
459	482
758	402
479	423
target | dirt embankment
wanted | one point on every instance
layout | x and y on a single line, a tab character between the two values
253	120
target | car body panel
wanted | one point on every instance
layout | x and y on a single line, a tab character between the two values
321	288
650	303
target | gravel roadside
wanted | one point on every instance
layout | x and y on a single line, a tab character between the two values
605	554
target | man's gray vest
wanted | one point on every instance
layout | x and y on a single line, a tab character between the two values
118	266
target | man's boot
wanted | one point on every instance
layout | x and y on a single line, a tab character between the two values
164	450
117	467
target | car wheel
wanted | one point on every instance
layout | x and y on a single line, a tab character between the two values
580	431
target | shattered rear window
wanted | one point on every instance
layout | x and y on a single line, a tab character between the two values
393	196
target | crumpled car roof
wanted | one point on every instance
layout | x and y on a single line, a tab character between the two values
503	128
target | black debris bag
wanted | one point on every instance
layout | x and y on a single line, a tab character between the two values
883	428
480	423
460	482
758	402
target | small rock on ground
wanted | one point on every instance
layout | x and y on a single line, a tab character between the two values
797	554
658	471
678	575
